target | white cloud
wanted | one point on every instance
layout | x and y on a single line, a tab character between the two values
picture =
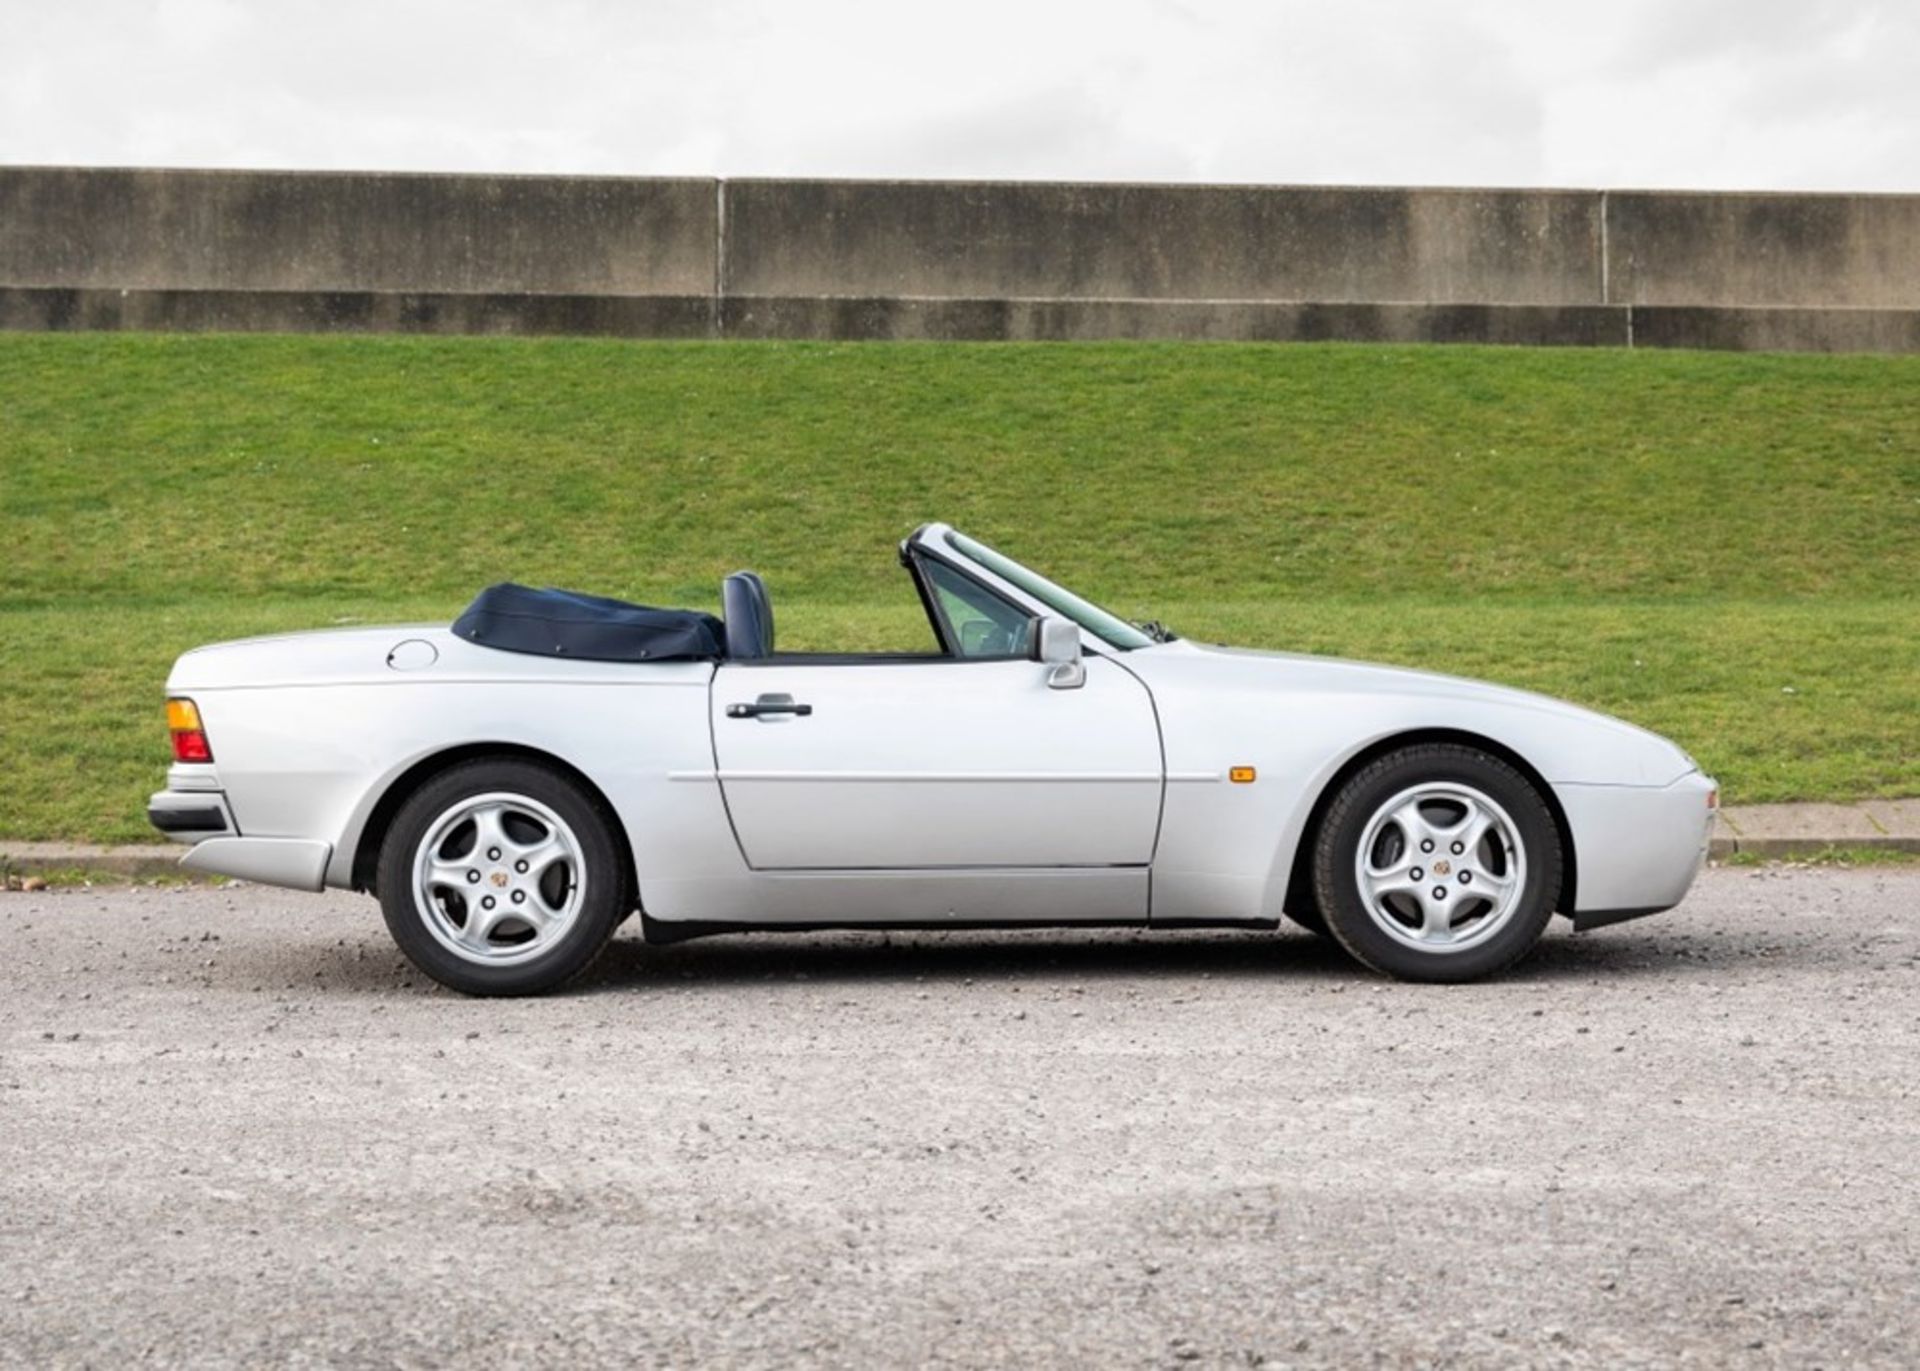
1716	93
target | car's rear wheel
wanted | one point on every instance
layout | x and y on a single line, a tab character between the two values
1437	862
500	877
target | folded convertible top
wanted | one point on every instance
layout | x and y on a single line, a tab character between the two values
562	623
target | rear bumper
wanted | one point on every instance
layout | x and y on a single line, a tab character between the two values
1637	848
296	863
189	816
202	817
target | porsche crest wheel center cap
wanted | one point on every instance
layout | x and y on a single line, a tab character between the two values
1442	868
499	878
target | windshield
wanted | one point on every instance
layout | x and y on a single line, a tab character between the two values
1109	628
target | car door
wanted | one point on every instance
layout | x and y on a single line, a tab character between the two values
935	763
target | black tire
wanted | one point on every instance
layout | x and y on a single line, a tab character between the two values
1367	794
603	884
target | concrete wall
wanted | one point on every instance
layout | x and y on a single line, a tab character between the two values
325	231
1764	251
1119	242
86	248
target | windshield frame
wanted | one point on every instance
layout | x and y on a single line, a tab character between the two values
1103	624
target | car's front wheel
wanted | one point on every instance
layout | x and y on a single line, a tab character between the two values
499	877
1437	862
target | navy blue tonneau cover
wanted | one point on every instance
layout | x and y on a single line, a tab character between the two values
561	623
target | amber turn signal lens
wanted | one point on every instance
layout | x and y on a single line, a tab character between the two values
1240	775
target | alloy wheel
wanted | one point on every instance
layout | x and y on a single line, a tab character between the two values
498	879
1440	867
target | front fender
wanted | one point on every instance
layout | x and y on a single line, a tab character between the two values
1574	751
1227	850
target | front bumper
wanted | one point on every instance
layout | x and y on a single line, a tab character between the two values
1637	848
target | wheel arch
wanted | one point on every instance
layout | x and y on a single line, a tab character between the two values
373	834
1300	877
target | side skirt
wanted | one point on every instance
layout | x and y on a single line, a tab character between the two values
1599	918
662	931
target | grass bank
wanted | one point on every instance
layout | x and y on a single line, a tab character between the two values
1722	547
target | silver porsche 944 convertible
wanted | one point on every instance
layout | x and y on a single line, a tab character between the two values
513	787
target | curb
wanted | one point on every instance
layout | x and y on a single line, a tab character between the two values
1726	845
1773	832
133	860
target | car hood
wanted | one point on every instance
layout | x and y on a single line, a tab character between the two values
1346	674
1565	742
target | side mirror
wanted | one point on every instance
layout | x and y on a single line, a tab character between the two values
1057	645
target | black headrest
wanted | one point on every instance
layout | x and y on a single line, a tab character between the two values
743	596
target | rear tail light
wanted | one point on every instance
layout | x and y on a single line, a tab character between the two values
189	738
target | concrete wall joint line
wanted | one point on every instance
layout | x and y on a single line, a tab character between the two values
719	254
1606	284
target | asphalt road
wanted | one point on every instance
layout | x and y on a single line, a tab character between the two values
234	1128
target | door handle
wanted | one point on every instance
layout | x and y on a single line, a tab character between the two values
768	705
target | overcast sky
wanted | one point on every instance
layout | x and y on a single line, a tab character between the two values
1767	94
